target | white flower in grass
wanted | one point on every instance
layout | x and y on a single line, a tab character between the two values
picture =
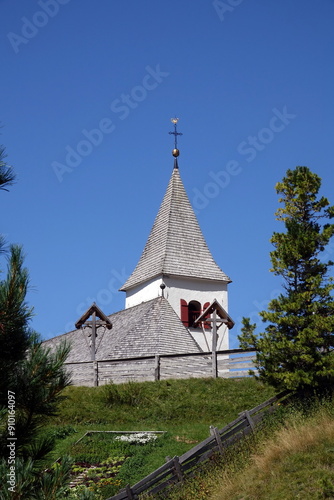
137	437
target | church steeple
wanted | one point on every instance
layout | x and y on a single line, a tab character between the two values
176	246
176	263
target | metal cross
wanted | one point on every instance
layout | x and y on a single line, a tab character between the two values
175	133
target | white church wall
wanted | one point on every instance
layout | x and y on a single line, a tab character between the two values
194	289
204	338
144	292
188	289
203	292
176	289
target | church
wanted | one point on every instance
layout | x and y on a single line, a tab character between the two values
170	296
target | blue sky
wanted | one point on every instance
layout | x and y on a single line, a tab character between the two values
87	93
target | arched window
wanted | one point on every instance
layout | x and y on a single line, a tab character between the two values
194	310
191	311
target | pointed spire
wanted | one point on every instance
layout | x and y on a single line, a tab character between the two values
176	245
175	133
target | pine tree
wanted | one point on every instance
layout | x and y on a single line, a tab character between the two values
31	383
7	175
14	318
33	378
294	352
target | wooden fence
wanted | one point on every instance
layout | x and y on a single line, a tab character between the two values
230	363
177	469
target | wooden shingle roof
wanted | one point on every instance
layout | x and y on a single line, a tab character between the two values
149	328
176	245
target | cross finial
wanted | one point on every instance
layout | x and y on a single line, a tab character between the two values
175	151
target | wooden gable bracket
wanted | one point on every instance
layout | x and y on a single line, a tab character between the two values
219	317
95	312
104	320
222	317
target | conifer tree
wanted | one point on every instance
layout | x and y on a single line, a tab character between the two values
14	318
34	378
7	175
294	352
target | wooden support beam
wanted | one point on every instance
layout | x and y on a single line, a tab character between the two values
129	492
249	419
98	322
178	469
93	335
214	345
95	373
214	432
211	320
157	368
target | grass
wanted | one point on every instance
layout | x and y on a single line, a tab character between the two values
183	408
292	457
298	462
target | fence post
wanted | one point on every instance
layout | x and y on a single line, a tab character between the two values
129	492
95	374
157	368
178	469
214	432
248	418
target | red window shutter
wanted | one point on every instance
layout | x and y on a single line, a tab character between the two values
206	325
184	312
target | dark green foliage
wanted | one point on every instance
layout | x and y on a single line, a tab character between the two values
33	484
15	314
247	338
7	175
63	432
31	381
37	382
294	351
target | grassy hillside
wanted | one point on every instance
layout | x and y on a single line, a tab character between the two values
297	463
291	457
184	409
164	403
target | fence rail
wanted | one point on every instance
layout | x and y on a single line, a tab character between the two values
177	469
230	363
